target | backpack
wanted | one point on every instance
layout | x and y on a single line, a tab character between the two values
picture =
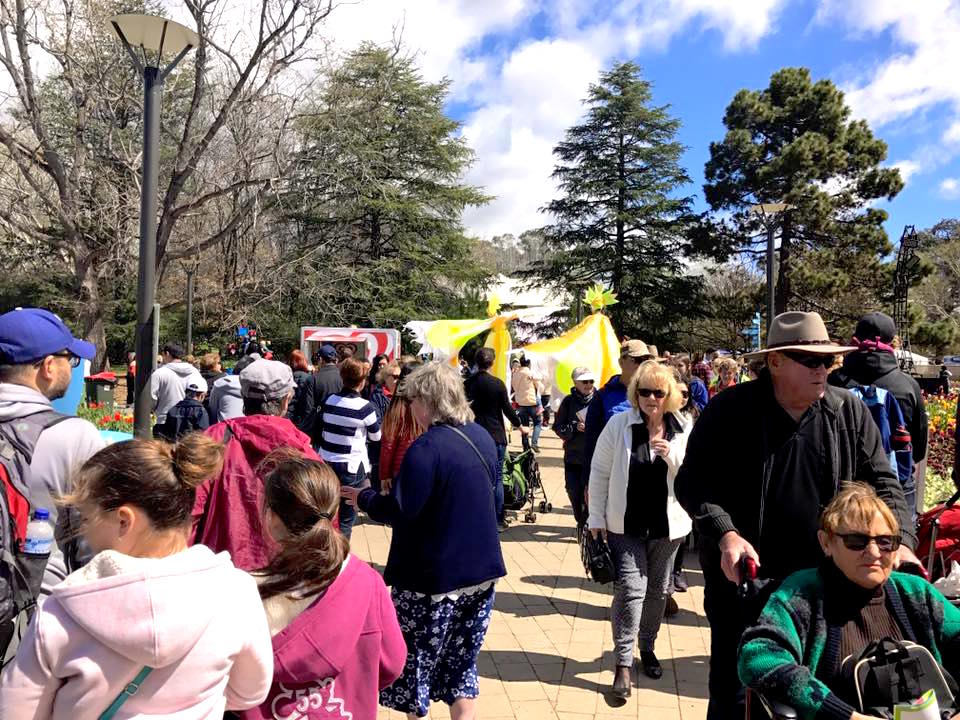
515	480
888	672
21	574
887	416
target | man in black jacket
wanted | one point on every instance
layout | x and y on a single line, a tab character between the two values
324	382
488	399
569	425
761	462
874	363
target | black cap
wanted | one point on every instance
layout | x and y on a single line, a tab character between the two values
876	325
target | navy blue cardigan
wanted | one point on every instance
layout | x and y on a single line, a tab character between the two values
442	513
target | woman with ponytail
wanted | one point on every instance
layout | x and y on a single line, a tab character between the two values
336	640
150	627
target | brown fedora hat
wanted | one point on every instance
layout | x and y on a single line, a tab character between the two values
801	331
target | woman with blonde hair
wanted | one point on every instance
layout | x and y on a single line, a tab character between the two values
445	550
632	505
727	371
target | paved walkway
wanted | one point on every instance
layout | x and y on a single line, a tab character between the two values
548	653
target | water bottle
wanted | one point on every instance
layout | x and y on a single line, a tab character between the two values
39	533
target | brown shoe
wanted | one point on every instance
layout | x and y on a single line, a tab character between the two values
621	682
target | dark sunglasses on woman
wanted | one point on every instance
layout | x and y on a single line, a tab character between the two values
647	392
859	541
809	360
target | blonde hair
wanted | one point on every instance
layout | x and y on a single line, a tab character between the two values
856	505
439	386
728	363
656	375
386	370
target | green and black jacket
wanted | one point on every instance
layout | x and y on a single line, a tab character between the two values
792	650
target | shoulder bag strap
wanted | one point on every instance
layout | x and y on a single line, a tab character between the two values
131	689
469	442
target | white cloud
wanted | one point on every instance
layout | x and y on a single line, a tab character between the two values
950	188
908	168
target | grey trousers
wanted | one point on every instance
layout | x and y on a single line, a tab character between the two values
640	591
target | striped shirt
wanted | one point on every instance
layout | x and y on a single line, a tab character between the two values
349	422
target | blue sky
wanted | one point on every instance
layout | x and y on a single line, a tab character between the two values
521	67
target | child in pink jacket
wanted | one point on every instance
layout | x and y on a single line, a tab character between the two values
336	639
146	600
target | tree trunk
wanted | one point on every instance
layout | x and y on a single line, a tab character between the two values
617	310
91	307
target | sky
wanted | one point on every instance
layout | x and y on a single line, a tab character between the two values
521	68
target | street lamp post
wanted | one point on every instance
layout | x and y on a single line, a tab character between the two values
155	35
768	213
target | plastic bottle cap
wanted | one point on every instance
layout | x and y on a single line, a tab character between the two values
41	514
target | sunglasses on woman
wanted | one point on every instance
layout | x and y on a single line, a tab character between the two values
809	360
859	541
684	394
647	392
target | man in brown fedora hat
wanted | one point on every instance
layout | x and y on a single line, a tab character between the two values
761	462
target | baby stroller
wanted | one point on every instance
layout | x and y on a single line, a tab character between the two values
938	539
521	483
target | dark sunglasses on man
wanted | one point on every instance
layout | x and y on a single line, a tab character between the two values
810	360
74	360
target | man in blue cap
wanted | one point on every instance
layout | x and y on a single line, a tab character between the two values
37	355
324	382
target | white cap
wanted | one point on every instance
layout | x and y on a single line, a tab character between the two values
582	374
196	383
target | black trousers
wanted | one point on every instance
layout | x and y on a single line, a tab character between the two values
728	619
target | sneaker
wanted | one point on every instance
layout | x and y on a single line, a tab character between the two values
502	526
671	607
679	582
536	449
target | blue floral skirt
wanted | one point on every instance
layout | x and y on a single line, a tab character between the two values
443	641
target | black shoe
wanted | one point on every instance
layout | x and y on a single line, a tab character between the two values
536	449
651	666
680	582
671	608
621	682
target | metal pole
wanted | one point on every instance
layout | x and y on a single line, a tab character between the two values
147	273
190	312
771	229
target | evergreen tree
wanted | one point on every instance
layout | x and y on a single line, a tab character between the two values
794	142
378	195
622	217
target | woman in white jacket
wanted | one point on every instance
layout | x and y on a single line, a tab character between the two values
633	506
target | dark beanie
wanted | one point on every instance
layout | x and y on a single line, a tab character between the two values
876	325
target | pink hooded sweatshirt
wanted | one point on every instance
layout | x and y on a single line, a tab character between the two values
192	616
331	661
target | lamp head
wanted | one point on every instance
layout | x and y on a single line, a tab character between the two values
153	33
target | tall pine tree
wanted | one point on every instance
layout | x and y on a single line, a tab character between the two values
794	142
622	218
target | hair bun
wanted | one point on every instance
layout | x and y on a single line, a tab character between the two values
197	458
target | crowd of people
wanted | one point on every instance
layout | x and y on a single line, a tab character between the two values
209	568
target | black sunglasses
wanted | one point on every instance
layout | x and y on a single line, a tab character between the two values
647	392
859	541
684	393
809	360
74	359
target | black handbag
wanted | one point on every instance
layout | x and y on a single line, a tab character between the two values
596	557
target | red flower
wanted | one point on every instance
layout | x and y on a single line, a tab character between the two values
103	421
118	415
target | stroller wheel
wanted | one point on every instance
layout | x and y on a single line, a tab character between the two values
549	507
530	517
543	506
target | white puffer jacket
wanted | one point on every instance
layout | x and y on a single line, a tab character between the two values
610	473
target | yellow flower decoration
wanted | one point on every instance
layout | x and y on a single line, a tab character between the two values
493	305
599	298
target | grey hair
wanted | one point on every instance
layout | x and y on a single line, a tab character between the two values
256	406
439	386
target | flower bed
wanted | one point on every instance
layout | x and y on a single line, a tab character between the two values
942	412
104	418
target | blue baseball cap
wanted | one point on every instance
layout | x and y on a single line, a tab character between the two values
29	334
328	352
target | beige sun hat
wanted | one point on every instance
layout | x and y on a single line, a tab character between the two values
801	331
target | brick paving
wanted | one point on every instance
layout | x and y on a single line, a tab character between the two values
548	653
